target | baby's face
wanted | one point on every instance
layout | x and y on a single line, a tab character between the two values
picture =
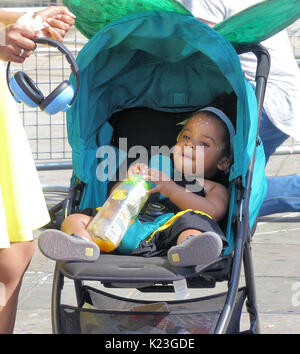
200	146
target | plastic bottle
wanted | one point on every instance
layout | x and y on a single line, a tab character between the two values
119	211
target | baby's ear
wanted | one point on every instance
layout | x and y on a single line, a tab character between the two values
224	164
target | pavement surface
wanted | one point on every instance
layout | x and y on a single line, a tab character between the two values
276	250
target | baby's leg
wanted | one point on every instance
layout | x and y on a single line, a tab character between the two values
77	224
195	248
186	234
73	243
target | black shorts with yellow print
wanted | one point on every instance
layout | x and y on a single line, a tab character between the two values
166	236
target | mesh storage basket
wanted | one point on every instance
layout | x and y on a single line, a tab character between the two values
104	313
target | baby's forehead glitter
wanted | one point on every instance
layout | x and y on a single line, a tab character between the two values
198	121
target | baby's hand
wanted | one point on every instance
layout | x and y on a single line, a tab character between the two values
164	184
138	169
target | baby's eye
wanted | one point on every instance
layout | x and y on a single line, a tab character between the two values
186	137
203	143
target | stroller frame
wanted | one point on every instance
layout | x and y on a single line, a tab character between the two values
242	250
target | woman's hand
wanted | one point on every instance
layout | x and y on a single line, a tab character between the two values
18	43
57	21
18	40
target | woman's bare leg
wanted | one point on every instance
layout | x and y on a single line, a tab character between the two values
13	264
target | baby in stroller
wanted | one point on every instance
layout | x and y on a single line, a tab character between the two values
192	236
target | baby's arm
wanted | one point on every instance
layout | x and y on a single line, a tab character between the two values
215	203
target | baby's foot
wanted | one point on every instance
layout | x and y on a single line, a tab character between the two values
63	247
196	250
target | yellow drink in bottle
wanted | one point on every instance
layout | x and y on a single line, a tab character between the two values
119	211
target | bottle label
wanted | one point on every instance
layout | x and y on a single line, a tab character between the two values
114	233
120	210
137	197
119	194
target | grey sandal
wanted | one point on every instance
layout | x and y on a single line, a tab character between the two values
196	250
63	247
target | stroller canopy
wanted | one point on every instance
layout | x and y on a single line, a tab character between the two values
164	61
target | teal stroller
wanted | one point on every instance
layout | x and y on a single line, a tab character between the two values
145	71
